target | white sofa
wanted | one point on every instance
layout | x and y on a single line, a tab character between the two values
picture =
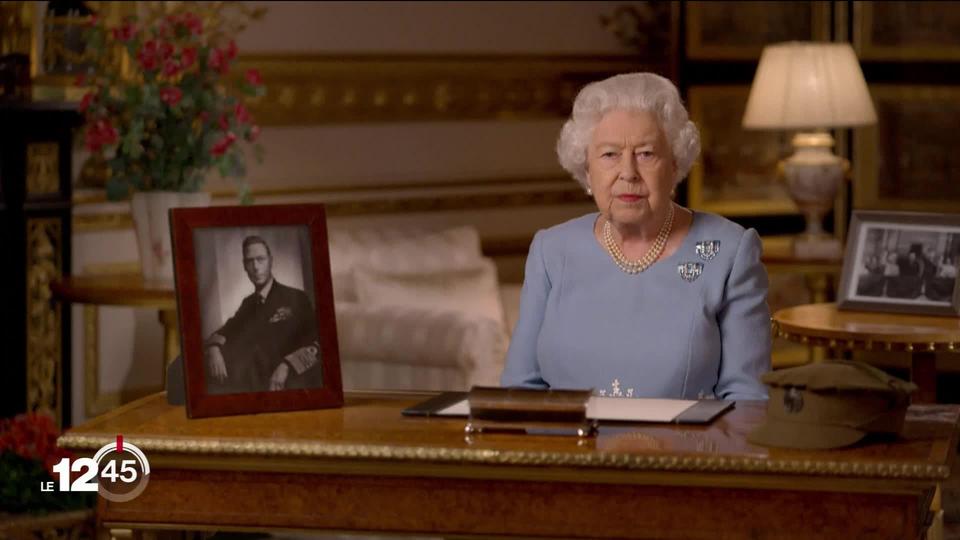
419	309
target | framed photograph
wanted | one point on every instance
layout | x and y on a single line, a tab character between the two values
912	31
255	300
736	173
908	161
740	30
904	262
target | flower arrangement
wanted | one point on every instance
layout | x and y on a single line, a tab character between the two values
169	118
28	452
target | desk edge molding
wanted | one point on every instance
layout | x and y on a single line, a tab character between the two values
678	463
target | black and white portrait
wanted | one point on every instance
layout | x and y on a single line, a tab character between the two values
905	264
257	313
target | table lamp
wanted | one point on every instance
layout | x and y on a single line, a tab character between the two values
810	87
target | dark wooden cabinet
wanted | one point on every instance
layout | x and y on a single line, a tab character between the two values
35	200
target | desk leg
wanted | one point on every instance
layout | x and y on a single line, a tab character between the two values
923	372
171	338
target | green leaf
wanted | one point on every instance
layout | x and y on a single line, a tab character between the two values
117	189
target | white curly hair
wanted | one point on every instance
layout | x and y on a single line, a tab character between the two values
634	91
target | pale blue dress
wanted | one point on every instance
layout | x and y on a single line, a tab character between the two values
676	330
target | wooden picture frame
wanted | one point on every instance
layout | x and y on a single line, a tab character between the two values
906	31
254	288
908	160
902	262
736	172
739	30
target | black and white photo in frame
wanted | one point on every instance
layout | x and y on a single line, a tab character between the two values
903	262
257	309
258	332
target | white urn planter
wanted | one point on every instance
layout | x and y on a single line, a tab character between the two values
151	219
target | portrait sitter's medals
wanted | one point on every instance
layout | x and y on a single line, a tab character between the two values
708	249
281	314
690	271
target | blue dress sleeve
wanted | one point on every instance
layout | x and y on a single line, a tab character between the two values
521	367
744	320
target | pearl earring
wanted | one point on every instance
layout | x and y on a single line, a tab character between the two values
590	192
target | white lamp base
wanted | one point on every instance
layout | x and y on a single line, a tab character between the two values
823	247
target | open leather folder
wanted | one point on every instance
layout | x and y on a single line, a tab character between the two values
606	409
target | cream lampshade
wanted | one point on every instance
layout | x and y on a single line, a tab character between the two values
811	87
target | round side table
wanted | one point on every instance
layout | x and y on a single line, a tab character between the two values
130	291
919	335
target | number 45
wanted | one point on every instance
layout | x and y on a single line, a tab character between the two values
86	481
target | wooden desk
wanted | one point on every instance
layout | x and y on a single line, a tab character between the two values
126	290
920	335
366	468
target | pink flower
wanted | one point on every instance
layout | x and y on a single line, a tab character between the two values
124	32
220	147
170	68
231	50
99	134
171	95
87	101
253	77
242	114
224	122
166	50
253	133
147	56
193	23
218	61
188	56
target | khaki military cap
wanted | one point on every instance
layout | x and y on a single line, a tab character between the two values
831	404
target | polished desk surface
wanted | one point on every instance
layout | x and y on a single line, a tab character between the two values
861	328
327	469
116	290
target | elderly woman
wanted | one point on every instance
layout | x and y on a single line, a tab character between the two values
644	298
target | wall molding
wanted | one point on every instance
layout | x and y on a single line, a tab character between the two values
311	89
352	200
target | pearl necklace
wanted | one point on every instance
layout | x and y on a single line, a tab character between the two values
650	257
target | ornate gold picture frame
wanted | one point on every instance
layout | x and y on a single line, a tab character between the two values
736	173
739	30
898	30
908	161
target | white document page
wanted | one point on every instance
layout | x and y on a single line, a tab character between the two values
608	408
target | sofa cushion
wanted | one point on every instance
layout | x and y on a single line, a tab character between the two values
397	248
422	344
471	289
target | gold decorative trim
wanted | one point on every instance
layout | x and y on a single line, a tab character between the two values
43	265
633	462
862	344
533	196
83	223
43	169
562	182
311	89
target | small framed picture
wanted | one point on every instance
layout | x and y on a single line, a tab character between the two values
904	262
255	300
